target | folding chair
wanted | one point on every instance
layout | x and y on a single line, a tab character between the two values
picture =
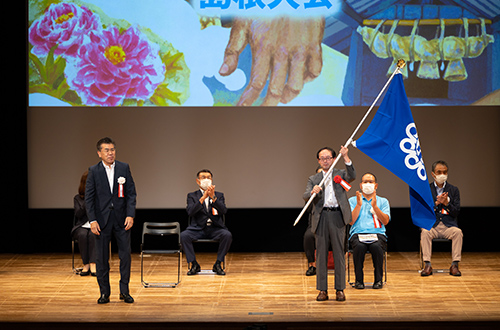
421	257
161	229
78	270
349	253
208	240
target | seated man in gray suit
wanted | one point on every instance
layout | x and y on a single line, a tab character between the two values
206	208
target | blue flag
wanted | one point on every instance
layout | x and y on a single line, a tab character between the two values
391	140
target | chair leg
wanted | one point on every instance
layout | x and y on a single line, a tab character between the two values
162	285
385	266
73	256
421	257
142	269
349	268
179	268
77	271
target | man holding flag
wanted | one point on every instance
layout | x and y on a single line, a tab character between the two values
391	139
330	215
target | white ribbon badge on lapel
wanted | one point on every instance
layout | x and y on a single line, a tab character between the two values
121	182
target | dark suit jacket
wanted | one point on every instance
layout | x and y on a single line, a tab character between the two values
199	215
453	208
349	174
99	199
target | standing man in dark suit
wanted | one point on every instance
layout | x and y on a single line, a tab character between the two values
206	209
447	207
331	213
110	199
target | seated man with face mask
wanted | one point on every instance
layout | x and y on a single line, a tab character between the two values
447	207
206	208
370	215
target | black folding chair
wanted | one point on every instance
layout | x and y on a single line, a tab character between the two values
209	240
350	251
161	229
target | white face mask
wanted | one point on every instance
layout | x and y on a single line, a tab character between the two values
205	183
368	188
441	178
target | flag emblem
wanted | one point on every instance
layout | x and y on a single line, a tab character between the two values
411	146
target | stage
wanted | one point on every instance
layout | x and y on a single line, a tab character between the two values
260	291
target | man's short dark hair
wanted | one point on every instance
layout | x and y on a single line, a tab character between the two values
439	162
326	148
370	174
105	140
204	171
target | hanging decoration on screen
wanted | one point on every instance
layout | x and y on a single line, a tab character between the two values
415	48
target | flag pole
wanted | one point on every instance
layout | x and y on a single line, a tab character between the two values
401	63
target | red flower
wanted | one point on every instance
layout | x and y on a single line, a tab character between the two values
64	25
113	67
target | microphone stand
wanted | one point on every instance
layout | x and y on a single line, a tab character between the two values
400	65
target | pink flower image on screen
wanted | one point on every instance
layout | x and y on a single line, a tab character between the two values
65	25
115	66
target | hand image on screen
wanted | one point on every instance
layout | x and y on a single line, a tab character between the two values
286	50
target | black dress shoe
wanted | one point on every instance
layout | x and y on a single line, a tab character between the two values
127	298
104	299
93	274
359	285
195	268
218	269
378	285
311	271
87	273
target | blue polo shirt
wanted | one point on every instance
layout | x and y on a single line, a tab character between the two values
365	224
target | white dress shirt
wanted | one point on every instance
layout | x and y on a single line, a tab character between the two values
110	172
330	198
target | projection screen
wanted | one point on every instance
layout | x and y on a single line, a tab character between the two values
250	92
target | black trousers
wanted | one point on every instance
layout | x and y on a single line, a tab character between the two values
211	232
122	236
376	249
309	244
86	244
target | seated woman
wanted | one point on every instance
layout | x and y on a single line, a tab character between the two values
81	231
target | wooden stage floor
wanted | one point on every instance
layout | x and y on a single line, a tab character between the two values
260	291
